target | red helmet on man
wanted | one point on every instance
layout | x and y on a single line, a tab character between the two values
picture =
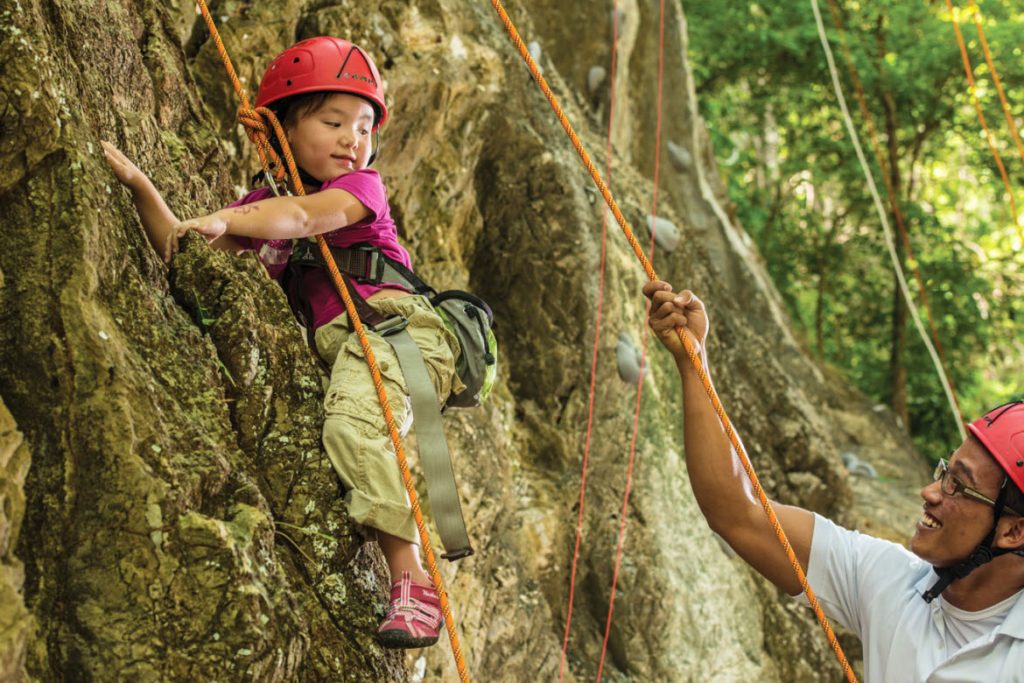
323	64
1001	432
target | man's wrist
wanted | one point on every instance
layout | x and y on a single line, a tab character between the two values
684	363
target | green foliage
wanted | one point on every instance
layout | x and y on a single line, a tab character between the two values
788	164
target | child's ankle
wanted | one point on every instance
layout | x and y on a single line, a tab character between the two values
419	577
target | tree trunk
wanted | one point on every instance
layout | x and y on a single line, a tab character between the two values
897	369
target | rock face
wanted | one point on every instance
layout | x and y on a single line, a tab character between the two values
179	519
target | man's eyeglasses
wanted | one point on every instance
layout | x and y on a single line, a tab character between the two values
952	486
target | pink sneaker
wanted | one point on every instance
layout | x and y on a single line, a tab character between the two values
413	618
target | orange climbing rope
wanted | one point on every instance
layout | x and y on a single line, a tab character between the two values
597	339
973	88
256	129
894	201
995	77
691	351
624	514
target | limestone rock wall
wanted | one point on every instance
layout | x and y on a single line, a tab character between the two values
17	626
180	518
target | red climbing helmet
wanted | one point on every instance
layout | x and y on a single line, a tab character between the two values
1001	431
323	64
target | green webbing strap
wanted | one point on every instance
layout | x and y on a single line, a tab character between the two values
433	447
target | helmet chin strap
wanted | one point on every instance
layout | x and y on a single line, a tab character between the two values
981	555
308	179
376	146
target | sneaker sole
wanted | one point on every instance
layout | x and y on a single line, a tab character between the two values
400	640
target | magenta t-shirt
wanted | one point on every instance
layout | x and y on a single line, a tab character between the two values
377	229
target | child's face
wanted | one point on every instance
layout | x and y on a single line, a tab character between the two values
335	138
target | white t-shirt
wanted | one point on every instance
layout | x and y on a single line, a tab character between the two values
874	588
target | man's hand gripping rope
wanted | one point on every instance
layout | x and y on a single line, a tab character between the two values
673	315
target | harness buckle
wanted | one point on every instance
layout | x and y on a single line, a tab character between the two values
457	554
372	267
375	265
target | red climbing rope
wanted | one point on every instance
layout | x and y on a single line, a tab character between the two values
597	339
256	129
973	88
691	350
624	515
995	78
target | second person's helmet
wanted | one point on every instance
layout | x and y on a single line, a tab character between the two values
1001	431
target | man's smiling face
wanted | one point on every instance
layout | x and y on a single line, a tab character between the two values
952	526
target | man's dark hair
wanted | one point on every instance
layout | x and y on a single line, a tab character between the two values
1014	498
1015	501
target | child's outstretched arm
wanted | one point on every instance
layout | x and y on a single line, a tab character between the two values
284	217
157	218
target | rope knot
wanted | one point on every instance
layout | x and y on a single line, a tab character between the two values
259	124
253	121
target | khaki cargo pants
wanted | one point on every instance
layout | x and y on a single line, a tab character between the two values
355	435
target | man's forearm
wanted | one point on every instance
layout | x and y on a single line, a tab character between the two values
719	483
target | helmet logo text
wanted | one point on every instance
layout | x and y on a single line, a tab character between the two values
358	77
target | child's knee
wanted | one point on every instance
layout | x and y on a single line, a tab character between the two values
349	432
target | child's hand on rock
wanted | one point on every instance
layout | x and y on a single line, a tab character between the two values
210	227
126	172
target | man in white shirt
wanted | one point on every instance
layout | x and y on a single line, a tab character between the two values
949	609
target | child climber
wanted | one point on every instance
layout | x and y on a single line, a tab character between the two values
327	93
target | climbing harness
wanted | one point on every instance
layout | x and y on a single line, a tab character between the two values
691	350
890	243
1001	432
465	315
894	203
255	122
976	101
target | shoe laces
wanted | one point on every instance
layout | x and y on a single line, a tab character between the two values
409	607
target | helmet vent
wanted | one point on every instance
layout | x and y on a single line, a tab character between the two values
289	81
295	61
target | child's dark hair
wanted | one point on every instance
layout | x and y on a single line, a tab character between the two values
291	109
